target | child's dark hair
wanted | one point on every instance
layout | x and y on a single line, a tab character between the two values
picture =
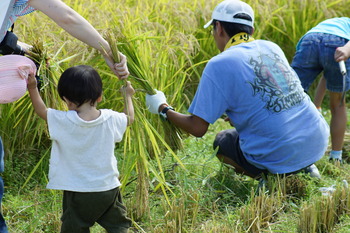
234	28
80	84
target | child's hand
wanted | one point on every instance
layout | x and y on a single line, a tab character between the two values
127	90
31	84
342	53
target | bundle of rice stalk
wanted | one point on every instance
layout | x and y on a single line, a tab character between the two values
47	75
41	59
24	119
172	134
133	64
112	41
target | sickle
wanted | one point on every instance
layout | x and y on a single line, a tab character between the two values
343	72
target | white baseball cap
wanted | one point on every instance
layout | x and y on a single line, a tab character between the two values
228	9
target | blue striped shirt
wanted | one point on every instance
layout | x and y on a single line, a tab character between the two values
20	8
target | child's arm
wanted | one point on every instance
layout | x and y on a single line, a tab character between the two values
38	103
128	92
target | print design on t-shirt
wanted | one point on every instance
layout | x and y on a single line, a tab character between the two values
277	84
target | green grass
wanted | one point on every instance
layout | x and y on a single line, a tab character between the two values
165	190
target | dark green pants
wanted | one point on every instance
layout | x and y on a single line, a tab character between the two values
82	210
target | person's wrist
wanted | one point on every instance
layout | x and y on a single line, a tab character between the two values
162	106
31	88
163	113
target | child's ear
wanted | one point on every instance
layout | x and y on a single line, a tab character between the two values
99	99
68	103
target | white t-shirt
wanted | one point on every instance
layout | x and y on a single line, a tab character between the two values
82	154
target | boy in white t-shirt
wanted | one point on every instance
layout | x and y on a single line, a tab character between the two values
82	161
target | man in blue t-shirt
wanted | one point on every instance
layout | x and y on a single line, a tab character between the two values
277	129
324	46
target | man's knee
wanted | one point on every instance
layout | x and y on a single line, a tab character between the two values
218	138
238	169
224	135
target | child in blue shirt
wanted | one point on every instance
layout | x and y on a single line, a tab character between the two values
320	50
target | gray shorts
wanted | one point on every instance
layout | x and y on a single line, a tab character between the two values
82	210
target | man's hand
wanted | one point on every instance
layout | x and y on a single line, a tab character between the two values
154	101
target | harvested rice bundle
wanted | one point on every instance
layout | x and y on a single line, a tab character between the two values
112	41
172	134
48	73
40	57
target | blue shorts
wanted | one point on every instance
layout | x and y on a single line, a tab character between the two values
315	53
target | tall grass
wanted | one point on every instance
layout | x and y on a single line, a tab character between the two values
173	48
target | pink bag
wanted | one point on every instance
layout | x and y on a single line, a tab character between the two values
14	72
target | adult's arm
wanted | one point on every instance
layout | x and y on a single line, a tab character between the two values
189	123
80	28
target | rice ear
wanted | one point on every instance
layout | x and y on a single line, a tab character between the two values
112	41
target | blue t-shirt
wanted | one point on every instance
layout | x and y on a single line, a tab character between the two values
334	26
279	127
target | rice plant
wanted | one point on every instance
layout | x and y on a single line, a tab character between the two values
322	213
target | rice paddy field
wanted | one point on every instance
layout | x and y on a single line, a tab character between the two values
171	182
